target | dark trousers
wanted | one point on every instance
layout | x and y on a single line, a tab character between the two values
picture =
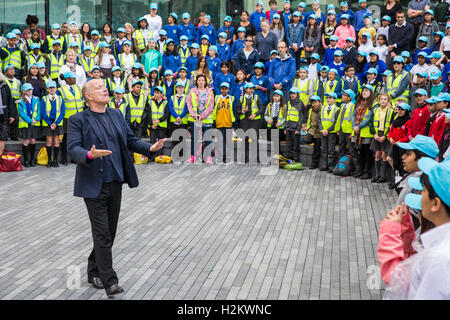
353	148
158	134
344	143
296	56
397	154
14	130
293	144
104	215
195	136
225	152
328	146
246	124
366	158
316	152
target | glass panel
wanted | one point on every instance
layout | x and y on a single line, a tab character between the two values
216	9
124	11
94	12
13	13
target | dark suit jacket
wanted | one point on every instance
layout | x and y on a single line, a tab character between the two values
83	132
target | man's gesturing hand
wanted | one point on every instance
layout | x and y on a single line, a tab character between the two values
95	153
158	145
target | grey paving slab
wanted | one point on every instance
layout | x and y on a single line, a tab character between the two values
196	232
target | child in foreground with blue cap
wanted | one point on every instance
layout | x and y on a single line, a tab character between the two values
223	116
274	114
119	102
295	115
422	275
329	126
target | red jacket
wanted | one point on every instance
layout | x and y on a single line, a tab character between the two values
400	134
268	15
438	127
395	244
418	121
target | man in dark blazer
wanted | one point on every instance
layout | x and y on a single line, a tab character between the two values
8	112
100	174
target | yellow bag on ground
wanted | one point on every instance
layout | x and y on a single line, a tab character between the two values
163	159
42	158
140	159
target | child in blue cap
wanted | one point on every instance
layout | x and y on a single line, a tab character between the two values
187	28
173	30
228	29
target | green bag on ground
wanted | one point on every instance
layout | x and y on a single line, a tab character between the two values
295	166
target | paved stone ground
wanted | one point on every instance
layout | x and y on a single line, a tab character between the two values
196	232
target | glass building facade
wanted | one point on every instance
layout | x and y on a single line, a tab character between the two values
96	12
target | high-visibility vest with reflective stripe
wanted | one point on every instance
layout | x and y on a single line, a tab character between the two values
304	91
31	59
35	106
79	40
292	113
30	42
387	119
87	67
112	84
216	107
158	112
122	60
254	106
14	58
136	110
14	87
122	106
327	89
48	108
140	40
279	118
365	132
347	126
394	83
178	107
184	55
73	102
55	65
327	118
209	99
50	40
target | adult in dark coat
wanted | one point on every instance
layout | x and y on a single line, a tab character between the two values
100	174
8	112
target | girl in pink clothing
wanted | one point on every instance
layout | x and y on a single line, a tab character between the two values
200	102
344	31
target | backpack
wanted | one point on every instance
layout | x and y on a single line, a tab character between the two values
441	8
344	166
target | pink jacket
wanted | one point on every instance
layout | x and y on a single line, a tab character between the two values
395	244
343	33
210	103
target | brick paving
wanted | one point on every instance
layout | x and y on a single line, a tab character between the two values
196	232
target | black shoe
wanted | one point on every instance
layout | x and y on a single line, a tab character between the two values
313	167
375	179
330	170
365	176
357	174
26	164
55	164
324	169
96	283
33	163
113	290
64	162
381	180
391	185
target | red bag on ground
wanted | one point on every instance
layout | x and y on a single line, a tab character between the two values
10	161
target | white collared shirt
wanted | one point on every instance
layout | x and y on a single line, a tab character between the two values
430	278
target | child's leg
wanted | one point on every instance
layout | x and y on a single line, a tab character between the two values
25	149
377	166
384	167
48	146
296	141
331	150
324	152
316	153
55	150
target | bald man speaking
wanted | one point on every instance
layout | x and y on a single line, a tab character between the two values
100	141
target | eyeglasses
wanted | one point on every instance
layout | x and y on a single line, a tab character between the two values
248	40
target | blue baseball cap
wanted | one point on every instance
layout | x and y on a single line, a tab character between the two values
225	84
162	32
180	84
422	74
398	59
16	31
366	34
367	15
315	56
404	106
174	15
297	14
374	52
372	70
103	44
386	73
259	64
345	16
431	100
241	29
367	86
294	90
315	98
69	74
331	11
119	90
35	46
214	48
153	69
278	92
195	46
438	174
447	114
138	82
88	47
95	68
168	72
359	2
351	39
223	35
331	94
75	44
274	52
333	70
350	93
137	65
11	35
313	16
115	68
325	68
51	84
154	5
405	54
343	3
387	18
259	3
186	15
73	23
205	36
276	16
423	39
435	54
228	18
439	33
207	16
249	85
171	41
121	30
41	65
422	54
302	4
429	11
181	68
423	144
421	92
444	96
27	86
435	75
338	53
95	32
334	38
362	53
32	65
56	26
183	37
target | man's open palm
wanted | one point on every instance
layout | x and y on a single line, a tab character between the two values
158	145
97	153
